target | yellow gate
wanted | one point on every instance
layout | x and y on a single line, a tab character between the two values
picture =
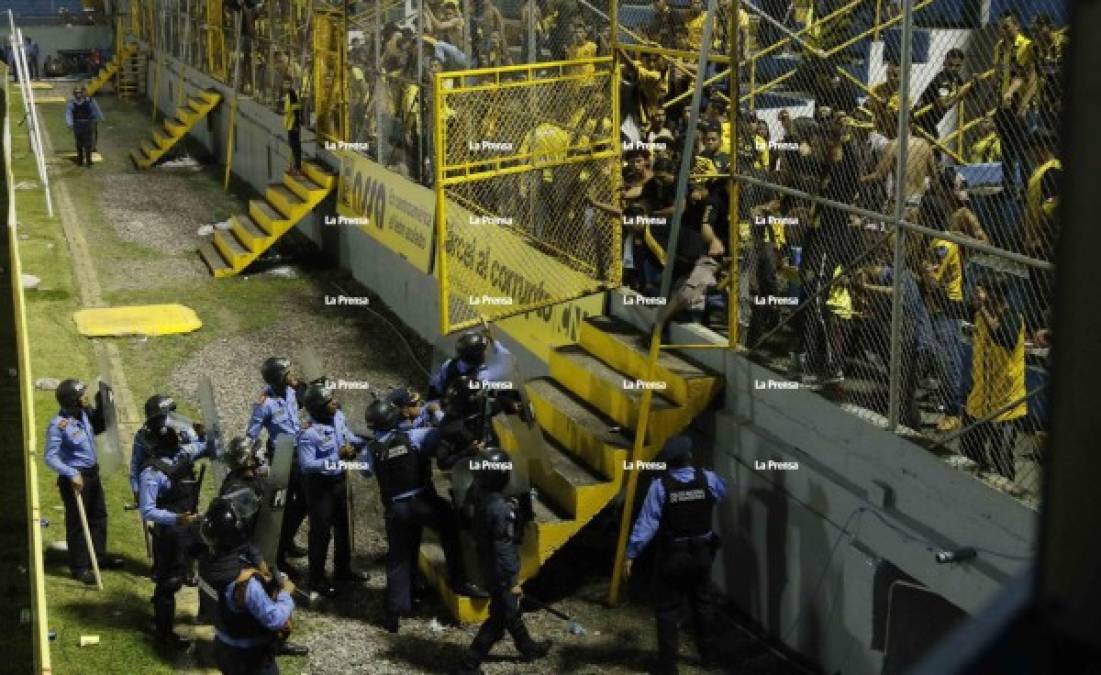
330	87
522	153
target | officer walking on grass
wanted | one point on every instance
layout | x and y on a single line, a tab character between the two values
499	525
168	497
276	410
678	511
254	605
71	453
81	115
324	445
402	461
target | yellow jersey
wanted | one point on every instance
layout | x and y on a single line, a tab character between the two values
997	375
1012	58
1040	211
949	269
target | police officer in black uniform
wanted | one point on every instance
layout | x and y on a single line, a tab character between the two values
403	465
499	523
254	606
81	115
168	497
678	511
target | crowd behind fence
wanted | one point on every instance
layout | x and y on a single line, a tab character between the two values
897	162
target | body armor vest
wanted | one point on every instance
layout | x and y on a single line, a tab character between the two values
219	572
399	467
688	507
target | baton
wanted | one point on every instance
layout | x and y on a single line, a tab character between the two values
144	529
88	537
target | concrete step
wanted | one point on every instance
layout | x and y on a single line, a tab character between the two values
624	348
607	390
232	250
163	140
266	217
213	259
249	233
588	435
305	188
210	96
151	152
319	174
139	159
286	202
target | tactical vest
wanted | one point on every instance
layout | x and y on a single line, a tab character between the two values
180	497
219	572
688	507
399	467
82	112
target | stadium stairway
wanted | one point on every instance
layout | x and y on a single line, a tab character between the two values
268	219
586	414
175	128
111	68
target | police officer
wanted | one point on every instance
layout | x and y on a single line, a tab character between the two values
324	444
678	510
277	411
243	461
415	414
81	115
254	606
470	357
192	440
402	461
498	527
168	497
464	426
71	453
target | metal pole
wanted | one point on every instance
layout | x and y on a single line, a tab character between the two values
688	154
532	55
421	90
902	140
441	208
733	295
233	104
381	89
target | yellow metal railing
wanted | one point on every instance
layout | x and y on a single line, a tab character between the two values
35	566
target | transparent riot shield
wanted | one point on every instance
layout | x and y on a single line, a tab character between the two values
269	520
108	446
215	437
503	377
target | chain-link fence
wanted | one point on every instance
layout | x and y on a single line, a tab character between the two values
899	213
524	154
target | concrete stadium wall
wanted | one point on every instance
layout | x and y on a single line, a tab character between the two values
52	38
808	553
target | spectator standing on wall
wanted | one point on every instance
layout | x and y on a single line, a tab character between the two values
292	122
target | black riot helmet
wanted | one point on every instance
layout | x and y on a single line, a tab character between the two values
316	401
462	398
382	415
275	371
471	347
159	403
492	469
70	394
241	453
165	432
225	523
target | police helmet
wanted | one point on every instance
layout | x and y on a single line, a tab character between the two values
165	432
69	393
462	398
492	469
241	454
159	403
403	397
316	401
382	415
275	370
224	527
471	347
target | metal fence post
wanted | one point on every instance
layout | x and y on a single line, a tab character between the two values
902	140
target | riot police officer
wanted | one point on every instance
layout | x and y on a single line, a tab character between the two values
415	414
192	440
403	465
254	606
678	511
243	461
71	453
499	522
470	357
276	410
324	446
168	497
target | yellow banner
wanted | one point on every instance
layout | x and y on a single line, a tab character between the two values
396	212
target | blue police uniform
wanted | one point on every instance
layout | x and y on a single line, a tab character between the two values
678	511
70	452
403	465
278	415
318	452
168	489
192	447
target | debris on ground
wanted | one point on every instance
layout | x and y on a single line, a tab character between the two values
205	230
27	185
30	282
283	272
47	383
185	162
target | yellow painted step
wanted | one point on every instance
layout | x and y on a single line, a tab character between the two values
214	260
584	432
249	233
267	218
163	140
175	128
139	159
608	390
232	251
286	202
210	96
617	344
150	151
305	188
319	174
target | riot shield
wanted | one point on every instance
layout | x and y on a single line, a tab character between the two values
309	366
215	438
501	367
108	449
269	521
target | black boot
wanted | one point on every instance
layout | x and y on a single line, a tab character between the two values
533	651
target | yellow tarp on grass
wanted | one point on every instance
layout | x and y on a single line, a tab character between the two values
50	99
136	320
